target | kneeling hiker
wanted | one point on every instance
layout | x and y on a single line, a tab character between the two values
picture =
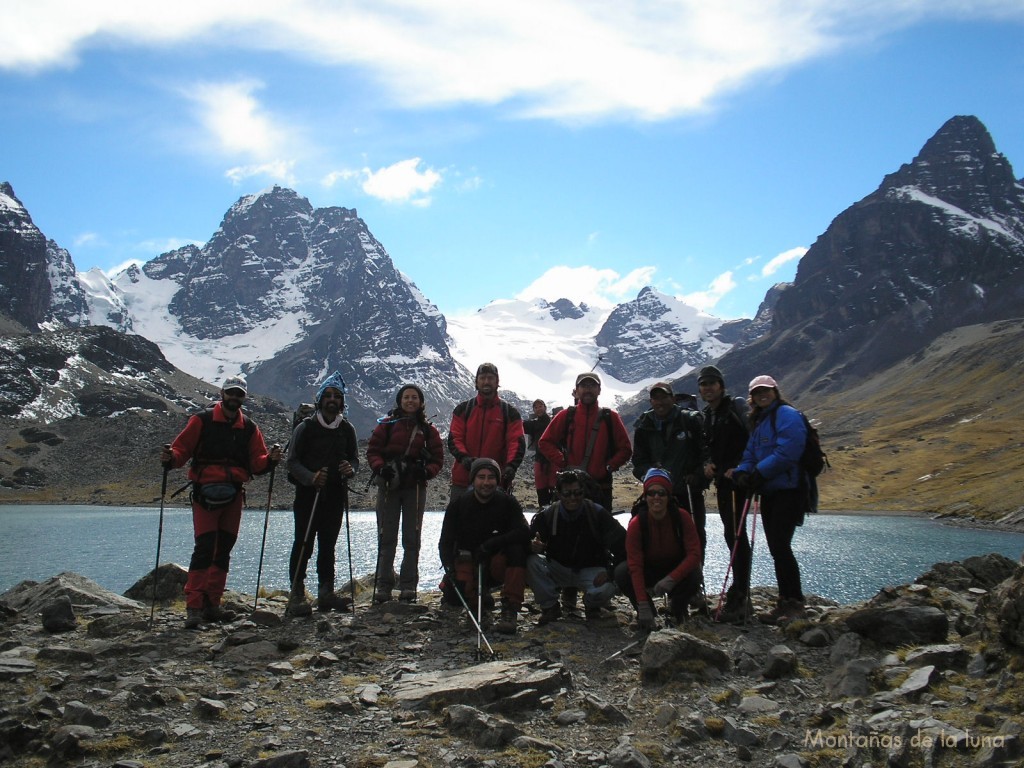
576	543
484	530
322	456
662	553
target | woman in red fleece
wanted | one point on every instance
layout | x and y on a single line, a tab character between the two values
662	553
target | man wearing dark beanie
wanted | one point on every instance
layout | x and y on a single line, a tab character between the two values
726	430
485	530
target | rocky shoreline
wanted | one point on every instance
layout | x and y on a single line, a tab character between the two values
926	674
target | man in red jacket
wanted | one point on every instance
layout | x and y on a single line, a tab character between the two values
485	427
588	437
226	449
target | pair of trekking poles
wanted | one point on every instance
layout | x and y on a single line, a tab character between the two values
478	619
300	565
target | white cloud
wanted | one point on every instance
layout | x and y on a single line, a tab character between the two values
601	288
567	59
87	240
277	170
235	119
706	300
401	182
785	257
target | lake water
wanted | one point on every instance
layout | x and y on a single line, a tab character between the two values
843	557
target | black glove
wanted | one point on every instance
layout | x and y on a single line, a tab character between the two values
467	462
741	480
487	549
387	472
755	481
507	475
417	472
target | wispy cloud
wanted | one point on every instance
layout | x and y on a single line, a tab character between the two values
602	288
401	182
234	118
707	299
565	59
785	257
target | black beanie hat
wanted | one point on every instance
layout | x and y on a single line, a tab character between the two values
710	372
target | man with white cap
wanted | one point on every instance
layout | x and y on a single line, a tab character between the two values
226	449
588	437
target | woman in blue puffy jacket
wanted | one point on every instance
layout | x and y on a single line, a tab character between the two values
771	469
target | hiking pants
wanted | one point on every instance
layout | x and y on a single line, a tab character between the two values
698	513
680	594
547	577
505	568
330	509
781	512
396	505
730	508
216	531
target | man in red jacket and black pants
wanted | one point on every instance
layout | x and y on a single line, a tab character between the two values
226	449
485	427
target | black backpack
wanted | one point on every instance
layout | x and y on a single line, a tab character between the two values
813	459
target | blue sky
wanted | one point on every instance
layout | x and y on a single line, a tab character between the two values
548	148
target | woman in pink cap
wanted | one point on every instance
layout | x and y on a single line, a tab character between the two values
770	468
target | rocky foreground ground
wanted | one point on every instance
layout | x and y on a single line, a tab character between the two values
927	674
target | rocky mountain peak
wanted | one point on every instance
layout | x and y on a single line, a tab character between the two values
563	309
961	166
939	245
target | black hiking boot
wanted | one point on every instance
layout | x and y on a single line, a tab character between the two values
509	619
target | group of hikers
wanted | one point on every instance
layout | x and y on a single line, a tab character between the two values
749	449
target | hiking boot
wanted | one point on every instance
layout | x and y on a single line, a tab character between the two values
408	596
549	614
737	609
784	612
382	596
699	603
679	610
568	600
193	618
218	614
298	605
327	600
509	619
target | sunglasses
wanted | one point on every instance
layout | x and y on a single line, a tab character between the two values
571	494
234	393
331	396
656	493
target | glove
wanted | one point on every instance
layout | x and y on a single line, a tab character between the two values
664	586
487	549
467	462
741	480
508	475
387	472
755	481
417	472
645	617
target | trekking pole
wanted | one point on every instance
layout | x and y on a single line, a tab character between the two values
703	589
300	564
159	539
732	558
263	545
479	602
348	538
753	531
634	644
469	611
